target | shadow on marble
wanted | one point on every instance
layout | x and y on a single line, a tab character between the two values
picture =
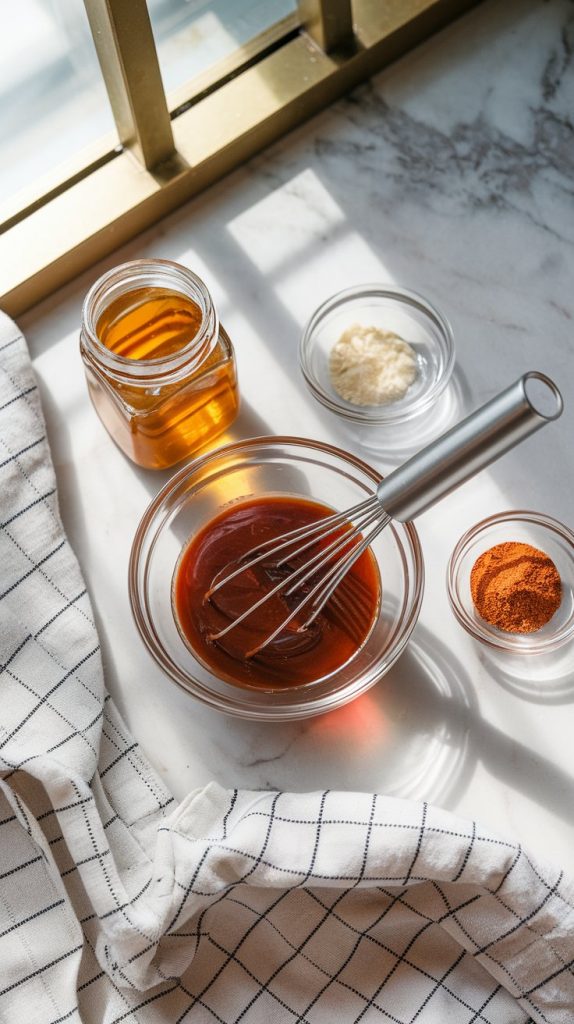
408	736
412	729
418	734
445	694
539	679
513	763
389	447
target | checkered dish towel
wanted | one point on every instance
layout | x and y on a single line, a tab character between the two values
118	905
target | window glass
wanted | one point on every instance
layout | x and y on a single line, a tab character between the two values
191	35
53	102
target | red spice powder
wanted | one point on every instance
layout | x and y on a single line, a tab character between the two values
515	587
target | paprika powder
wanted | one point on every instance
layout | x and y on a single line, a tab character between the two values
515	587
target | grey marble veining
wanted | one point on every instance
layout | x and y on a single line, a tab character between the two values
452	173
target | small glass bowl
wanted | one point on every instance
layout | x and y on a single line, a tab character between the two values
247	470
393	309
541	531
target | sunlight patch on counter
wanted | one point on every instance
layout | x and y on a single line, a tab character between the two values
286	222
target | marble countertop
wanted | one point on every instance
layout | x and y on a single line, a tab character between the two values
451	174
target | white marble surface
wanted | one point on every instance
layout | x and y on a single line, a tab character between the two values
452	174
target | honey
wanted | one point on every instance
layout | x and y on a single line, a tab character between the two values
160	369
149	323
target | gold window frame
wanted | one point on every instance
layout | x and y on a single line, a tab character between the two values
174	147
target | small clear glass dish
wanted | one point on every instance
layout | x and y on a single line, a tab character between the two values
541	531
243	471
405	313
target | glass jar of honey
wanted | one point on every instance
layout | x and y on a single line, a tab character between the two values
160	367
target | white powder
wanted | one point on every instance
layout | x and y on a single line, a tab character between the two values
370	366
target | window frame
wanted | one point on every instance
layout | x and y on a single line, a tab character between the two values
200	132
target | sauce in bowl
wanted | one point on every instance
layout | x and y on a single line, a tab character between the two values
298	656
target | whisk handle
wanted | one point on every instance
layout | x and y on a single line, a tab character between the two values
470	446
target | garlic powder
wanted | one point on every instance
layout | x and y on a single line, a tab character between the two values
371	366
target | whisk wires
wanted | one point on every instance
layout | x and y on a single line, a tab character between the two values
354	530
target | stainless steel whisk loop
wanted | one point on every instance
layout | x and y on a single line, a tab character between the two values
368	515
493	429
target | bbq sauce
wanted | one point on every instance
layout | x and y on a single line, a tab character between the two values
297	656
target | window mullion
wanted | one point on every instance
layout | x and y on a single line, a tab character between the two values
328	22
126	51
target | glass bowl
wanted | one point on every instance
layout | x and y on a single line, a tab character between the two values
246	470
542	532
393	309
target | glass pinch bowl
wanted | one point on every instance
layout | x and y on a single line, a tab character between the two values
541	531
247	470
407	421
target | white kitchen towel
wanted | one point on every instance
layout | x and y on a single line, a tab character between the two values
118	905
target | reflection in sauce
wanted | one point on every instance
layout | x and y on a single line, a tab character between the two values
294	658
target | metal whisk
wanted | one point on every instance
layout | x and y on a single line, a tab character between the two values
428	476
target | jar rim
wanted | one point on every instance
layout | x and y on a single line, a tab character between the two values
129	275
